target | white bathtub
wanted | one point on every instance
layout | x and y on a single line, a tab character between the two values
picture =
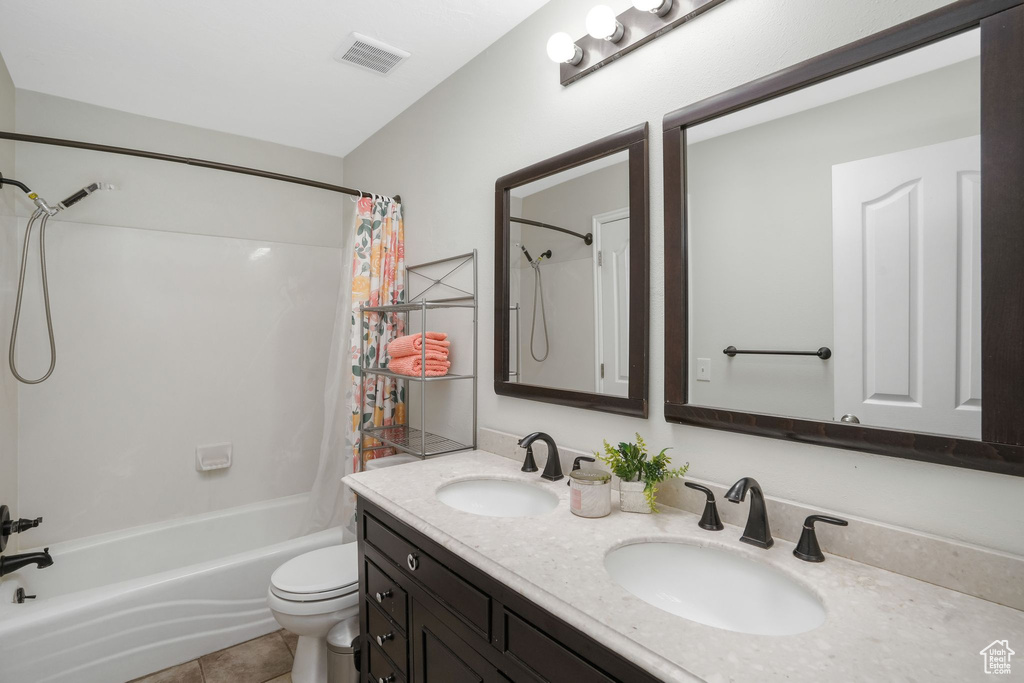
117	606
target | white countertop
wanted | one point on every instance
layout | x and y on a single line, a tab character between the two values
880	625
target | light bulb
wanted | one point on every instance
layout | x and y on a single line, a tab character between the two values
561	48
602	24
659	7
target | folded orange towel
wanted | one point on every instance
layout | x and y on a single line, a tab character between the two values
412	366
412	344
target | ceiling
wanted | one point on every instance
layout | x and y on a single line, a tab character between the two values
259	68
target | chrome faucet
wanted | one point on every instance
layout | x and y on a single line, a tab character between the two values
757	532
553	467
13	563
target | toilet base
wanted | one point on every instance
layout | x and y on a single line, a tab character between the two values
310	664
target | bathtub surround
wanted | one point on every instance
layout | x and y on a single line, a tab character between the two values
744	39
8	289
191	306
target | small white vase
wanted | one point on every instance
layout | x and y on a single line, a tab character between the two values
631	497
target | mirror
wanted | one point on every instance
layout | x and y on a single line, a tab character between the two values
844	217
834	273
571	232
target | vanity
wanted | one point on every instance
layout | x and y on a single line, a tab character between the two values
452	595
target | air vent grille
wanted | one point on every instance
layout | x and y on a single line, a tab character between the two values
370	54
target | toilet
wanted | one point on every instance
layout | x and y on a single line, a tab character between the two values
309	595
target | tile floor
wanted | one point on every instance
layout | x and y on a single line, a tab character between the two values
267	659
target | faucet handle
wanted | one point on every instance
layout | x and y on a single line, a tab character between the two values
576	462
576	465
710	519
808	549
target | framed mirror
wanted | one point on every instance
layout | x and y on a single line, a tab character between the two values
844	246
571	277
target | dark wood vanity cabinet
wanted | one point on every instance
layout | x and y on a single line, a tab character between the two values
427	616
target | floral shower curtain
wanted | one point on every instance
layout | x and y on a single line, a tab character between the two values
374	275
378	279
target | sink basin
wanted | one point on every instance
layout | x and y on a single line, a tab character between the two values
715	587
497	498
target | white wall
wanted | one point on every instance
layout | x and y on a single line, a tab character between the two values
190	306
8	284
506	110
761	266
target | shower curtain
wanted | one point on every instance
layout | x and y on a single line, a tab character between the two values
376	278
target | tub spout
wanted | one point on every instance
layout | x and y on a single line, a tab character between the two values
13	563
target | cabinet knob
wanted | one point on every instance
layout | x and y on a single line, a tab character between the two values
380	596
390	678
413	561
384	638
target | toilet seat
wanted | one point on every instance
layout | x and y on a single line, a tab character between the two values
318	576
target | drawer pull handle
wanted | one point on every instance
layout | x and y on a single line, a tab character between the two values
413	561
384	638
380	596
390	678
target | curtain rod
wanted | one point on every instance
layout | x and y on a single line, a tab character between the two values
587	239
173	158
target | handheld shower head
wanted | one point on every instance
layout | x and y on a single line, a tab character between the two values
80	195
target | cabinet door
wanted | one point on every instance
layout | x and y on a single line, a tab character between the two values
440	656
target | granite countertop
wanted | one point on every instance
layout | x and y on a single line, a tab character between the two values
879	625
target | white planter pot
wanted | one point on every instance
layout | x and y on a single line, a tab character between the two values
631	497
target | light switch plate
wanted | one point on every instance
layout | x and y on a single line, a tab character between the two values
213	457
703	369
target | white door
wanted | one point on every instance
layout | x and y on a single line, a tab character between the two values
611	301
907	289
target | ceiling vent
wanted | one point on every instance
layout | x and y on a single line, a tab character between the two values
370	54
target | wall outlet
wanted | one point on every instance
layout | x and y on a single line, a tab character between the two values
703	369
213	457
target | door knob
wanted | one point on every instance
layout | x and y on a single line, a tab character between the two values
849	418
384	638
380	596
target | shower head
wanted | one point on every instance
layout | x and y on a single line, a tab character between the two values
80	195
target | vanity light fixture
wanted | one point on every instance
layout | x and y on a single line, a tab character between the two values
563	50
603	25
656	7
610	37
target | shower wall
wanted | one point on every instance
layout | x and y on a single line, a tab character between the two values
8	282
191	307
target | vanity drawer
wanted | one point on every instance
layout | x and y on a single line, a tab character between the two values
546	657
381	631
380	668
387	594
462	598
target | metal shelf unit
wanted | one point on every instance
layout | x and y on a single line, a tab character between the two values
405	437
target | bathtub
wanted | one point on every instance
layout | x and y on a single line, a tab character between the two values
118	606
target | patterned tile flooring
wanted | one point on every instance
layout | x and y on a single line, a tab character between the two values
267	659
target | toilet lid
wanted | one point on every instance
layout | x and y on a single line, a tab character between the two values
319	574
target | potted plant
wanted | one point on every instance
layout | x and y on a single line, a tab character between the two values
639	474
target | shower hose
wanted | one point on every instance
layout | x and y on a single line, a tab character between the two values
538	291
46	296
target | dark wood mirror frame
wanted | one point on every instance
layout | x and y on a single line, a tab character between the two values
1001	448
633	141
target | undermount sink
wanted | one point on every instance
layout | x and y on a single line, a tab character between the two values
716	588
497	498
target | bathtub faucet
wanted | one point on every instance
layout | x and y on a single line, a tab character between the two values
13	563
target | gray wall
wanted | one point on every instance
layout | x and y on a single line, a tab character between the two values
506	109
8	284
761	240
